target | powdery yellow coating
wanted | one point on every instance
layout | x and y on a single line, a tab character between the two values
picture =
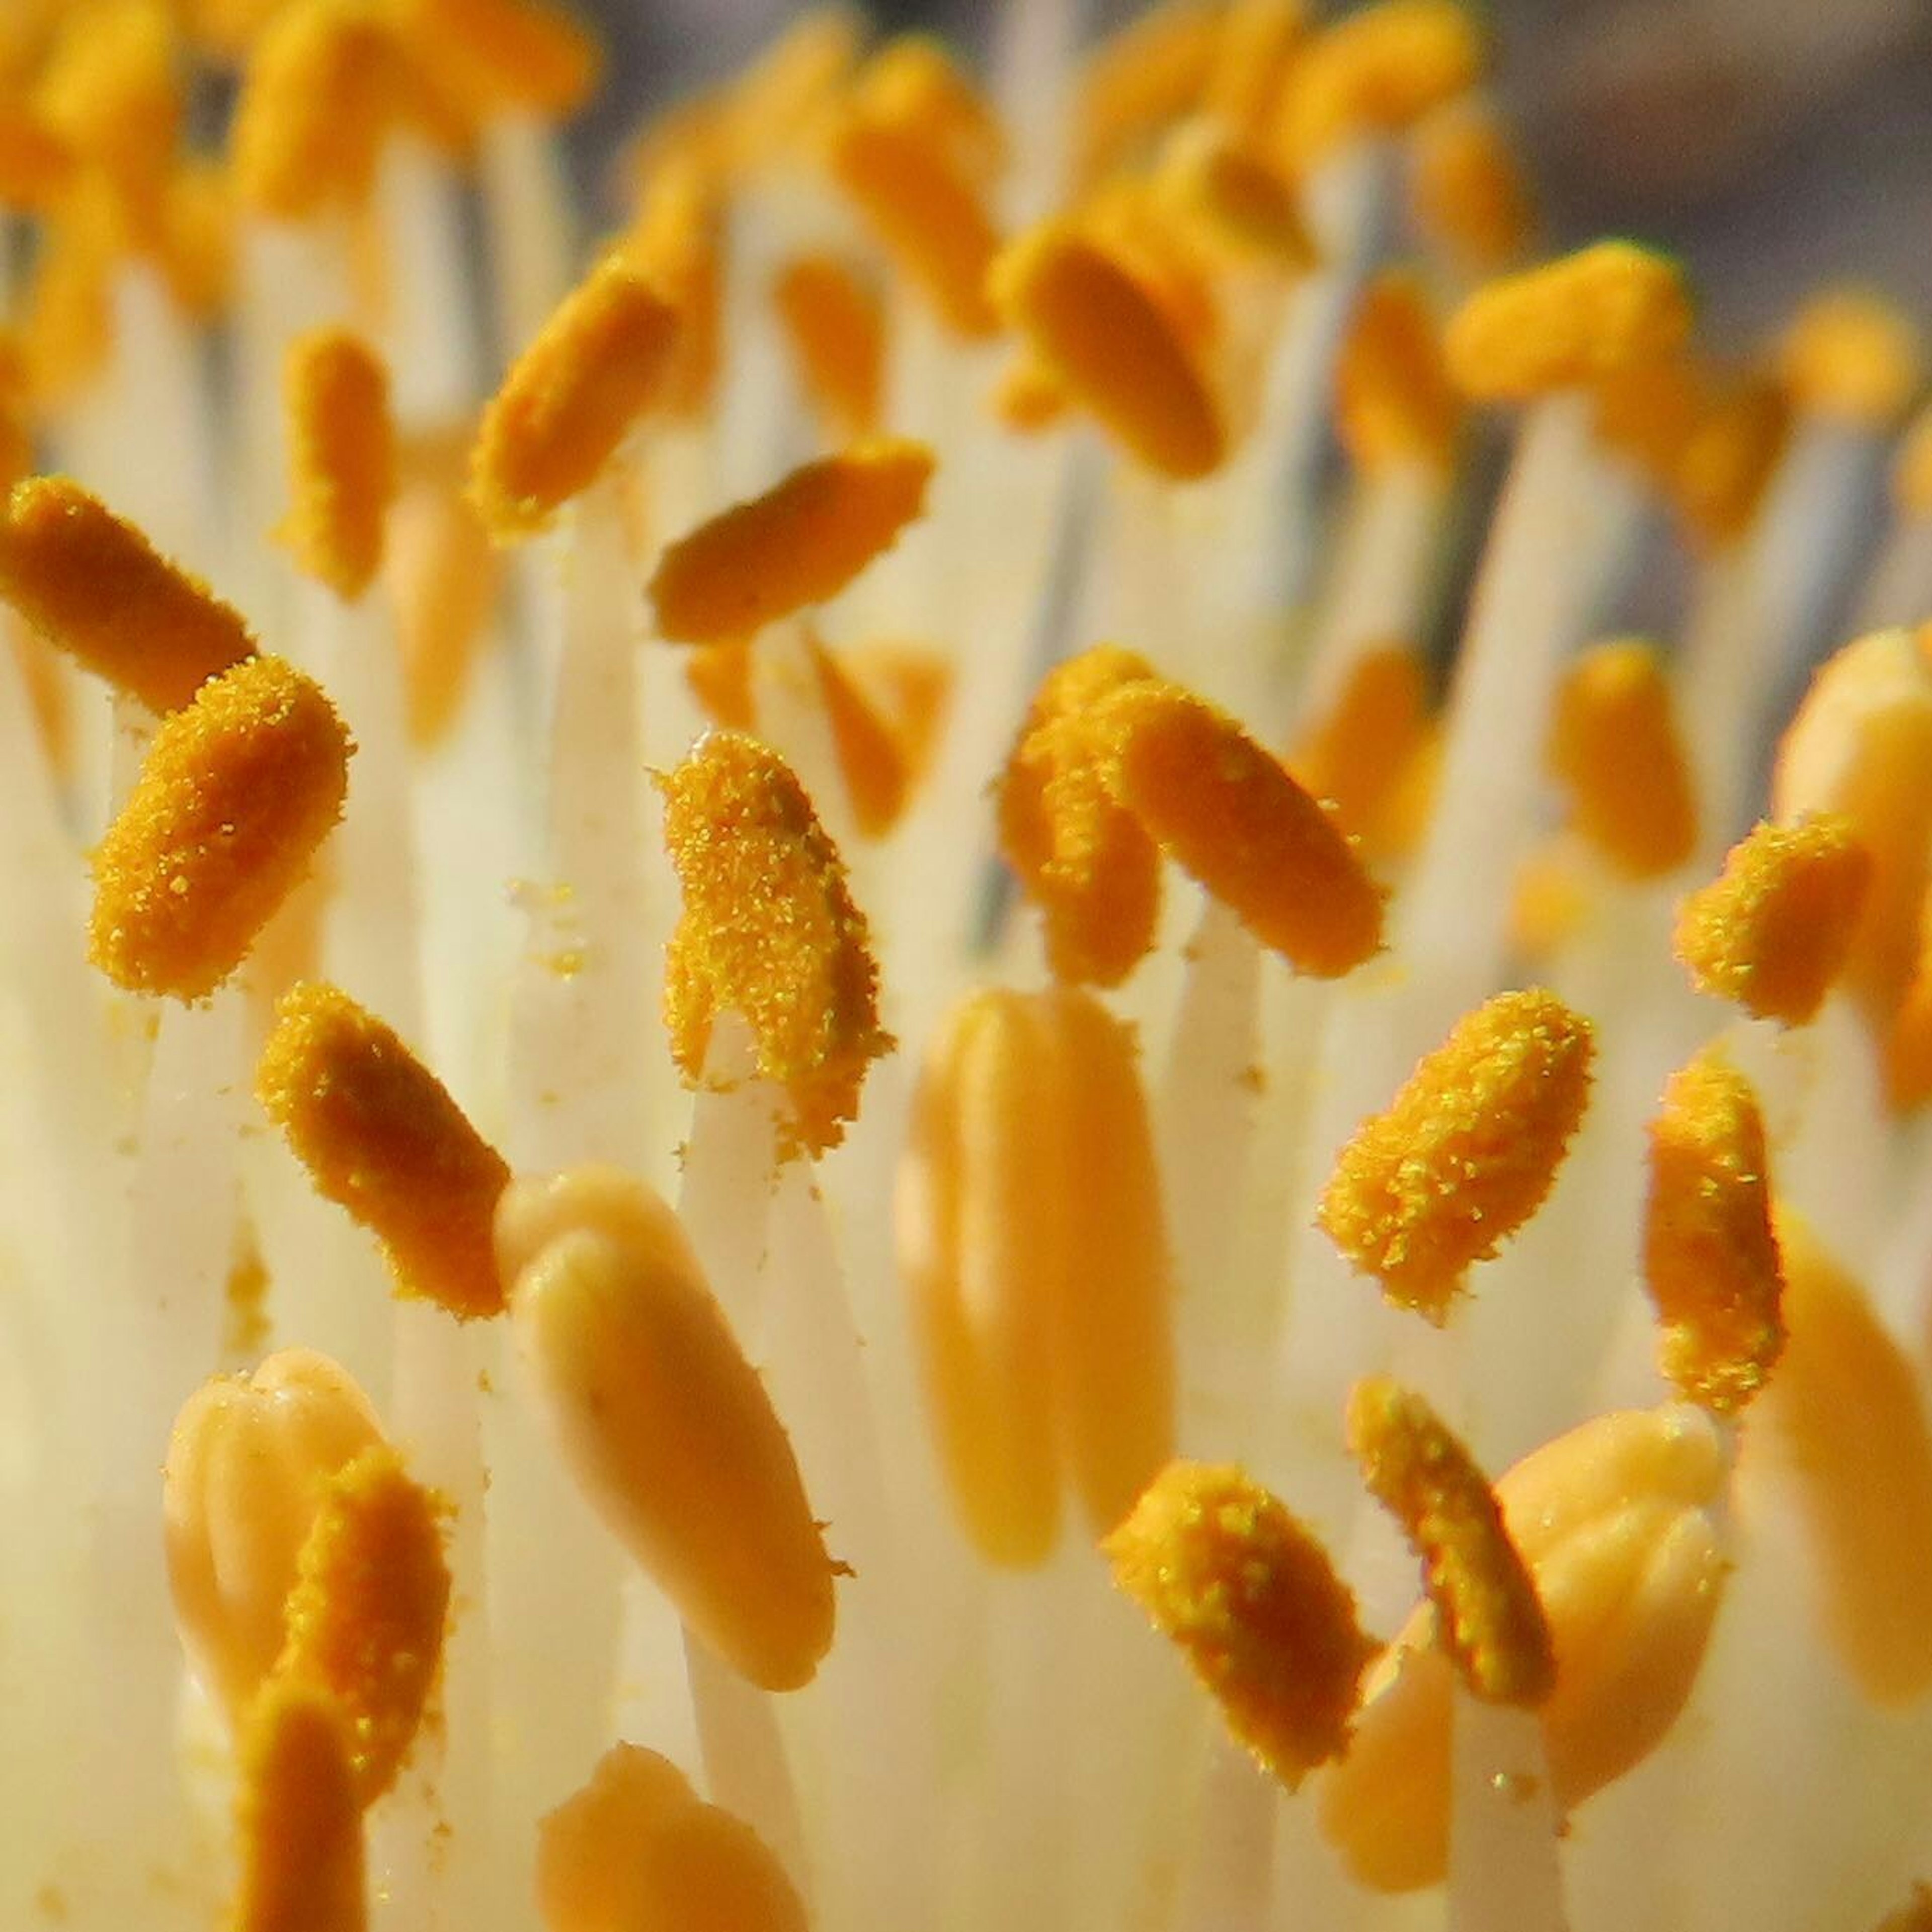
67	320
1254	52
1860	744
1615	749
515	56
1150	73
1468	192
1616	1520
1394	403
1103	336
1466	1154
769	930
1710	1258
1773	930
298	1818
1729	458
835	327
1223	1569
720	677
96	586
1568	323
248	1460
664	1424
112	90
321	90
365	1619
1842	1430
1852	356
637	1849
236	793
1088	864
1491	1622
799	544
871	759
1359	757
1648	412
197	239
380	1136
36	164
597	365
342	449
912	82
1377	72
1231	816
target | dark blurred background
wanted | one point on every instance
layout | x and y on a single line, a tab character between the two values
1775	143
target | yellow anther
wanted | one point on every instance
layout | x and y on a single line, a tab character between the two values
1616	1520
380	1136
1466	1153
835	326
1710	1258
871	759
1649	413
1467	189
321	90
676	242
36	163
663	1422
365	1619
248	1461
772	105
1394	403
1087	863
112	90
1570	322
1151	72
67	319
1491	1620
342	458
226	29
1853	357
237	792
567	405
1773	930
298	1817
1228	194
1030	1236
1361	758
1254	52
912	81
1860	744
720	677
521	56
1029	398
1227	813
1912	472
799	544
1730	457
1908	1046
911	685
1914	1915
1614	749
1376	72
1114	347
929	216
94	586
1224	1570
769	931
197	241
1554	898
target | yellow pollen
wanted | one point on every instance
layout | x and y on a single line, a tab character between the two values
1570	322
663	1422
677	243
525	56
1491	1621
236	795
1224	1571
342	456
1089	322
1710	1258
799	544
720	677
112	91
1729	457
599	363
248	1459
1615	749
769	931
298	1818
1151	72
1229	815
1229	193
94	586
871	759
1393	400
1254	52
1029	398
36	163
1468	192
636	1848
835	327
1363	757
1852	357
1648	412
66	321
365	1619
1773	930
912	81
197	242
380	1136
1466	1153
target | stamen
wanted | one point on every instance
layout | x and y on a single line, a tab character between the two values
112	91
1466	1153
1151	72
1467	190
836	329
1475	1576
342	458
94	586
1223	1568
380	1136
1228	194
1730	457
236	793
799	544
662	1420
1254	52
871	761
1373	752
1710	1259
1773	931
1393	400
520	55
769	930
913	83
676	243
36	164
1853	357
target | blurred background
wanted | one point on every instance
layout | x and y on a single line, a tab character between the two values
1776	143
